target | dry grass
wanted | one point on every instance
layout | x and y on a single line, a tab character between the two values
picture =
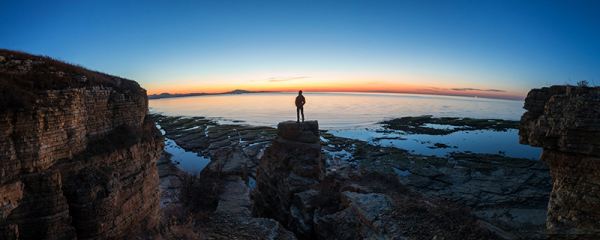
23	76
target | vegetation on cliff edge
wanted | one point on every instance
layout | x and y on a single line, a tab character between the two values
23	76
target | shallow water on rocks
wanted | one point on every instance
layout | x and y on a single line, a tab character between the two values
187	161
356	115
477	141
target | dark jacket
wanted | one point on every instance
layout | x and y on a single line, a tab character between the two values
300	101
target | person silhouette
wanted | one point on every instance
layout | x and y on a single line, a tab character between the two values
300	101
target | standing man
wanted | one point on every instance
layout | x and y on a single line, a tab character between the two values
300	101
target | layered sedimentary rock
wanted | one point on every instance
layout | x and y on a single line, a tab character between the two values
290	166
297	188
77	152
221	191
565	121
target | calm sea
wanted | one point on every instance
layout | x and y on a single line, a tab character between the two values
356	115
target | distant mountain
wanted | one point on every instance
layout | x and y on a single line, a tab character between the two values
174	95
171	95
240	91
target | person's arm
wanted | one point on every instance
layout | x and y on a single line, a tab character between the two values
303	100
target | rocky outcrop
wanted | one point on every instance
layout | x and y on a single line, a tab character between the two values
290	166
565	121
78	154
221	191
296	187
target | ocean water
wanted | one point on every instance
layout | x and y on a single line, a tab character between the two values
356	115
335	110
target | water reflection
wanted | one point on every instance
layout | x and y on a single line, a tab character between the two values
355	115
187	161
334	110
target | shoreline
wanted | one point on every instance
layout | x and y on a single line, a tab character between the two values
490	185
428	135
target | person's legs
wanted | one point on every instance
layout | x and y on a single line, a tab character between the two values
302	111
298	114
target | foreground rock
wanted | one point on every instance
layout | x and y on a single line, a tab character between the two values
506	196
78	153
565	121
172	180
289	167
295	187
216	203
233	218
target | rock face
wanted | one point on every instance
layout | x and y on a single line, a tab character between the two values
77	152
565	121
221	191
288	168
295	187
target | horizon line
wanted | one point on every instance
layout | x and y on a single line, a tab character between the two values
192	94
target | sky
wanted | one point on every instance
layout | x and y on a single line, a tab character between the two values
473	48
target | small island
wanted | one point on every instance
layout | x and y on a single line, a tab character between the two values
175	95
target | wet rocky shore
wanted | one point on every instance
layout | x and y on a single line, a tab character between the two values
425	197
427	124
84	159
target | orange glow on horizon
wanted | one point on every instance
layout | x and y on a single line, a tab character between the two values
335	87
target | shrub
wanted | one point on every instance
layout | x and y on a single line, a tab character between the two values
583	83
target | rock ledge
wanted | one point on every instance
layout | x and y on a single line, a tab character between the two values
565	121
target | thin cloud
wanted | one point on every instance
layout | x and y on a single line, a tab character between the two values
477	89
285	79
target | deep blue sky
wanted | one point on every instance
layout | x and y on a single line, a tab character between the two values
193	45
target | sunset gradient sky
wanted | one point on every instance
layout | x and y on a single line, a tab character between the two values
474	48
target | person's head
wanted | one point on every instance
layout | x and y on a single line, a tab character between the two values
300	92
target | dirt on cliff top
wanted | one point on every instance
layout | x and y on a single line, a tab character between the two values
23	76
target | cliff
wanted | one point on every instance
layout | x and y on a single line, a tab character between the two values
565	122
77	152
